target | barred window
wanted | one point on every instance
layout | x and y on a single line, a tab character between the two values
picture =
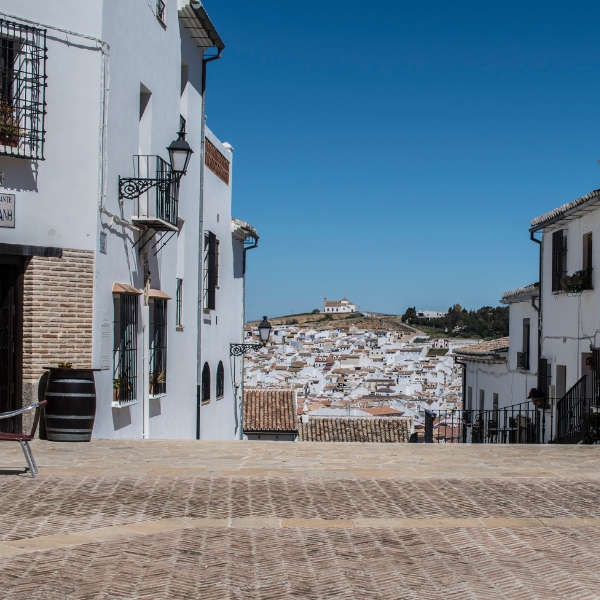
158	347
125	349
23	56
211	270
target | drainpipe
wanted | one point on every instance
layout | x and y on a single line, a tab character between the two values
145	352
241	408
539	306
205	61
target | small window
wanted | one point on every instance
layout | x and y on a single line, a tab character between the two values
206	383
481	400
158	347
125	349
179	304
220	380
211	270
559	258
22	90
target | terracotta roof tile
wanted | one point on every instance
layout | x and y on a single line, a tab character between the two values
355	429
269	410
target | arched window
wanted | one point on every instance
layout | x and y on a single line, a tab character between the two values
206	383
220	380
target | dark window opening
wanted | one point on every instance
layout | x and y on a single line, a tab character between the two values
523	357
158	347
559	258
125	349
22	90
211	270
587	262
220	380
206	383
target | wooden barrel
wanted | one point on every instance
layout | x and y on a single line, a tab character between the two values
71	408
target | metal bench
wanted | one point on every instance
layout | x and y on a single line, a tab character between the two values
24	438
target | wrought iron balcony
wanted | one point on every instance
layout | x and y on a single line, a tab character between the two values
522	360
155	192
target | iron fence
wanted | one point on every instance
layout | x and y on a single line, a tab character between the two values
160	201
516	424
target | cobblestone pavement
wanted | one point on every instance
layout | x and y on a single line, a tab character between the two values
252	520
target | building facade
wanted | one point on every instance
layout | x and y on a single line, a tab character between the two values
102	242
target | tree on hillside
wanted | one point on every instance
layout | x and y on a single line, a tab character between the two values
410	316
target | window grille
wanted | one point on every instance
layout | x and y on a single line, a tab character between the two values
179	304
211	270
160	11
206	383
23	56
158	347
125	349
220	380
559	258
216	162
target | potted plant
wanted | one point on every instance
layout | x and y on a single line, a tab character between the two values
10	132
572	283
116	389
536	397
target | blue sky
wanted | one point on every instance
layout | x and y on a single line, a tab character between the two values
395	152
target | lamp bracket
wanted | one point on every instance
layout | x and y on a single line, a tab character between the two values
131	188
241	349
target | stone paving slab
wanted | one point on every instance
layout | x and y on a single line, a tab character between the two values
132	520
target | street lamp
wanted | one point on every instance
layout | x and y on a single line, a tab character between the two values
179	155
264	330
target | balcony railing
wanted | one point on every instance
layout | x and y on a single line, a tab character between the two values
157	207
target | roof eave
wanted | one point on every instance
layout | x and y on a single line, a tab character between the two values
568	215
193	9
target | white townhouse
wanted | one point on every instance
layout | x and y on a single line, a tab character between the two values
554	332
499	373
115	253
569	303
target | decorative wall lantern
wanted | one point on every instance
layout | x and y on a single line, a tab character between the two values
264	331
179	155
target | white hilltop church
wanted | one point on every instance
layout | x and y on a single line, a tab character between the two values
338	306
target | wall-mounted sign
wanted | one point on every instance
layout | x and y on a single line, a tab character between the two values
7	210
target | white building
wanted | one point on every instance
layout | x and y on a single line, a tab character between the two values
430	314
338	306
100	238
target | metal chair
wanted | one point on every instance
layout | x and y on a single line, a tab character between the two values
24	438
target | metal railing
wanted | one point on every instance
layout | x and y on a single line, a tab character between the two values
578	417
517	424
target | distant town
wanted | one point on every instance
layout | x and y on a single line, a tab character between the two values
358	366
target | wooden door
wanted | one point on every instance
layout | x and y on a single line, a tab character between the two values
10	341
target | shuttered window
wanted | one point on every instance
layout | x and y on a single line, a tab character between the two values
211	270
559	258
